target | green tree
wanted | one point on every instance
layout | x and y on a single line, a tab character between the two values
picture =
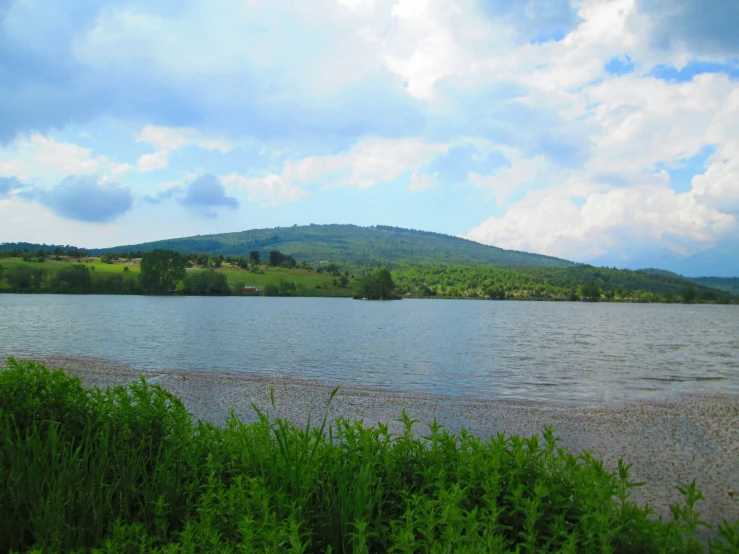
377	285
206	282
160	271
286	287
591	292
2	270
74	278
278	259
689	294
255	257
22	277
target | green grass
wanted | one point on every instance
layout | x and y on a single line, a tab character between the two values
126	469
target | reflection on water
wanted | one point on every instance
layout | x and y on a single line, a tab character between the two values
564	352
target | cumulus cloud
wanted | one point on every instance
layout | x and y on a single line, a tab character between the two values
650	214
422	182
42	157
168	139
203	196
270	190
368	163
210	65
208	192
87	198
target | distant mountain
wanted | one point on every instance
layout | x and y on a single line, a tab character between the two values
350	244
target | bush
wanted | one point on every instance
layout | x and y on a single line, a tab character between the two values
127	470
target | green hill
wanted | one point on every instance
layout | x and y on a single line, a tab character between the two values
350	244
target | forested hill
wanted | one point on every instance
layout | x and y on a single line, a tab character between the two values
350	244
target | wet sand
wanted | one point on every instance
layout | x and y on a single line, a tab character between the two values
668	441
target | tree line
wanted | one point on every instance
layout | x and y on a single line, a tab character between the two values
570	283
162	270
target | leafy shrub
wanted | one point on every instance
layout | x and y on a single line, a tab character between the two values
126	469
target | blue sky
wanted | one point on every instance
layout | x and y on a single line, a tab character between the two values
599	131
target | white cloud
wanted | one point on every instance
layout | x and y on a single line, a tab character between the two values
422	182
267	191
42	157
718	187
523	173
370	162
167	139
150	162
650	214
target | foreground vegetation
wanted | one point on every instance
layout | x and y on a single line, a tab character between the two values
128	470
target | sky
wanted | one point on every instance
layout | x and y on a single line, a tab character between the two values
604	132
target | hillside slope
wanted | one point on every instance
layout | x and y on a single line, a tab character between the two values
351	244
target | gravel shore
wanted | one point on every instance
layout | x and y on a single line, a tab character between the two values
668	441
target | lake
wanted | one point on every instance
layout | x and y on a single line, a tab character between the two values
570	353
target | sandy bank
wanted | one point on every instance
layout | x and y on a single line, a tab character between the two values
667	441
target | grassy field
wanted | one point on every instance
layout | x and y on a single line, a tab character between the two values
126	469
307	283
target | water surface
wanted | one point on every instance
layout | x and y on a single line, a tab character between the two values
547	351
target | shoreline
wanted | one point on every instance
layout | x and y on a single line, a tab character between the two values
668	441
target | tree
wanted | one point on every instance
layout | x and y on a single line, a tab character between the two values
160	271
74	278
377	285
22	277
2	270
277	258
255	257
689	293
286	287
206	282
591	292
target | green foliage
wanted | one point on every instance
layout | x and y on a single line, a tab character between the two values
278	259
570	283
160	271
24	278
126	469
689	293
206	282
74	278
286	288
590	292
377	285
